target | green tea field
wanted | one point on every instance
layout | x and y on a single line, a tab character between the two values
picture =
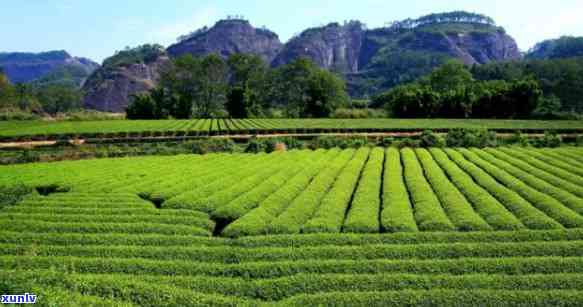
353	227
10	130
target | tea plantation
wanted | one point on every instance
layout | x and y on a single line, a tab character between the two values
353	227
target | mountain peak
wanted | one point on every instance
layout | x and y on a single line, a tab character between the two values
227	37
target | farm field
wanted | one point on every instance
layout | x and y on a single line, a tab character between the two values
204	127
353	227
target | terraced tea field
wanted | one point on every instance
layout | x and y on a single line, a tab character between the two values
355	227
41	130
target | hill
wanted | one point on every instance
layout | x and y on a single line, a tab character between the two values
372	60
563	47
48	66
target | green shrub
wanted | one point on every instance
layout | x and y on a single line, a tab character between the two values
255	195
579	141
257	221
366	197
454	266
550	139
429	213
12	195
484	203
397	211
333	207
456	206
471	138
439	298
328	142
212	145
407	143
430	139
505	173
483	174
16	114
541	178
518	138
302	208
387	142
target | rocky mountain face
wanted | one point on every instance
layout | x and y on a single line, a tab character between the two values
377	59
27	67
335	47
560	48
110	88
229	37
372	60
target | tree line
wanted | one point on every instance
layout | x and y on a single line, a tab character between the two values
451	91
240	86
51	98
450	17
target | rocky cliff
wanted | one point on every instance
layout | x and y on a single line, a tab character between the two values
28	67
376	59
229	37
130	72
372	60
335	47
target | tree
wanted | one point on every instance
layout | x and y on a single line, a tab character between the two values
307	90
141	107
452	76
326	93
59	98
548	107
6	92
236	103
248	81
525	96
290	84
212	93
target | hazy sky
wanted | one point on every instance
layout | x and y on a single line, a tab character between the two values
97	28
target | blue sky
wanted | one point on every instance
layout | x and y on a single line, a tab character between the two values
97	28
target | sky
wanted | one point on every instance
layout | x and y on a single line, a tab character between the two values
97	28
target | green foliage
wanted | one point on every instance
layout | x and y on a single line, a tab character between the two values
455	205
519	138
59	98
307	90
397	212
366	197
558	77
141	54
451	76
328	142
13	194
512	177
563	47
471	138
520	207
211	146
142	106
485	204
451	92
330	215
16	114
358	113
550	139
429	213
430	139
